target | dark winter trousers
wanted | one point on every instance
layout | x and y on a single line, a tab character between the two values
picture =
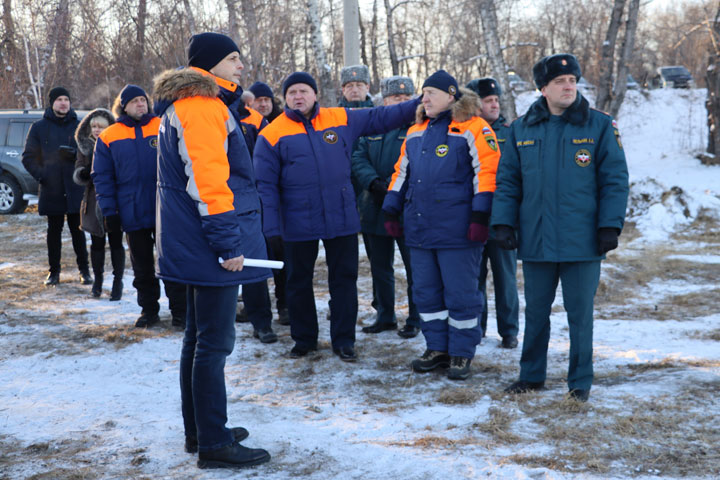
97	244
448	299
256	298
209	339
504	270
341	255
579	284
54	241
276	251
142	258
380	250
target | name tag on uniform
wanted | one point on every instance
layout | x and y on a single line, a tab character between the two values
374	139
525	143
580	141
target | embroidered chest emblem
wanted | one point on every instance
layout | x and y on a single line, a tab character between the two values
583	158
330	137
154	142
442	150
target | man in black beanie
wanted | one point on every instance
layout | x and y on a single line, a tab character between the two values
503	262
562	189
208	221
49	156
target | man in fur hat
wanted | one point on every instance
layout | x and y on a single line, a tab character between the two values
443	184
124	172
355	84
562	187
208	222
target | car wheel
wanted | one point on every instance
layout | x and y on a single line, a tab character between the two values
11	196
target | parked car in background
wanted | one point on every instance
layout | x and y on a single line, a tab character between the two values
16	184
631	83
676	76
517	84
586	87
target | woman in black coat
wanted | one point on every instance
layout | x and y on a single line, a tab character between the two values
91	219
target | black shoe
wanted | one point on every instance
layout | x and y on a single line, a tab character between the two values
408	331
283	316
178	321
579	395
521	386
232	456
242	316
509	342
117	288
238	433
459	368
346	354
265	335
147	320
52	279
85	277
299	351
378	327
430	360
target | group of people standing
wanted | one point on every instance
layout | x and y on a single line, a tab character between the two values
211	181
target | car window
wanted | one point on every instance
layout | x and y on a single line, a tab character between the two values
3	130
16	134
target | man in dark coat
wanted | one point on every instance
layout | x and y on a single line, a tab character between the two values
373	163
49	156
503	262
563	185
265	101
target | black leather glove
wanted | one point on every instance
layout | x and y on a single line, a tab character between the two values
607	239
505	237
112	224
67	152
378	189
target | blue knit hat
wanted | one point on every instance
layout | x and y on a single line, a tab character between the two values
58	92
443	81
485	87
260	89
129	92
299	77
205	50
554	66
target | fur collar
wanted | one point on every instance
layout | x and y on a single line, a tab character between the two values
82	134
463	109
173	85
577	114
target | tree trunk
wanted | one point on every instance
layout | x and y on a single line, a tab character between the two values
59	43
488	16
190	17
375	81
351	23
140	67
625	58
713	88
256	70
326	95
391	39
607	58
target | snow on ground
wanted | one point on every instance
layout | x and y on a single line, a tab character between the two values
75	405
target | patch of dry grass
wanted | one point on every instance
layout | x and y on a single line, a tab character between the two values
498	426
458	396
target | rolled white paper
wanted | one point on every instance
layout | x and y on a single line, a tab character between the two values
256	262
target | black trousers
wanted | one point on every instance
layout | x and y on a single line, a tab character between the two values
54	241
142	257
97	244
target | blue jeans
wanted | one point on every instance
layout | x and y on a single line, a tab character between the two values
209	339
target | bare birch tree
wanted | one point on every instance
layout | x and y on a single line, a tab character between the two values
626	57
712	76
326	96
607	57
488	17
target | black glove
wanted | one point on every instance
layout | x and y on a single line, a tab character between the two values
84	174
607	239
505	237
67	152
378	189
112	224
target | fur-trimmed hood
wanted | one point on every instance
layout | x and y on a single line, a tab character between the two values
82	133
463	109
173	85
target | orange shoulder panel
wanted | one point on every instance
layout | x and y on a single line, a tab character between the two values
117	131
255	118
205	132
330	118
282	126
151	129
488	151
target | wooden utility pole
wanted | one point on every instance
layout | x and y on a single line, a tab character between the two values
351	36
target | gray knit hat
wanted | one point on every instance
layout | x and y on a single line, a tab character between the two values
396	85
354	73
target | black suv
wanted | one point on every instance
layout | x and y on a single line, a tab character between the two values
675	77
15	182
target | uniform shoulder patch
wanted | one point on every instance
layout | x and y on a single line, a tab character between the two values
491	143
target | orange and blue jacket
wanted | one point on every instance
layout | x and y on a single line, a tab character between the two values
303	168
446	171
208	207
124	171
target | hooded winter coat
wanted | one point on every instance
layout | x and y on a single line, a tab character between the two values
91	218
446	171
208	206
304	171
560	179
52	166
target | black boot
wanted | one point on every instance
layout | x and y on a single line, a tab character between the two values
97	260
117	257
232	456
